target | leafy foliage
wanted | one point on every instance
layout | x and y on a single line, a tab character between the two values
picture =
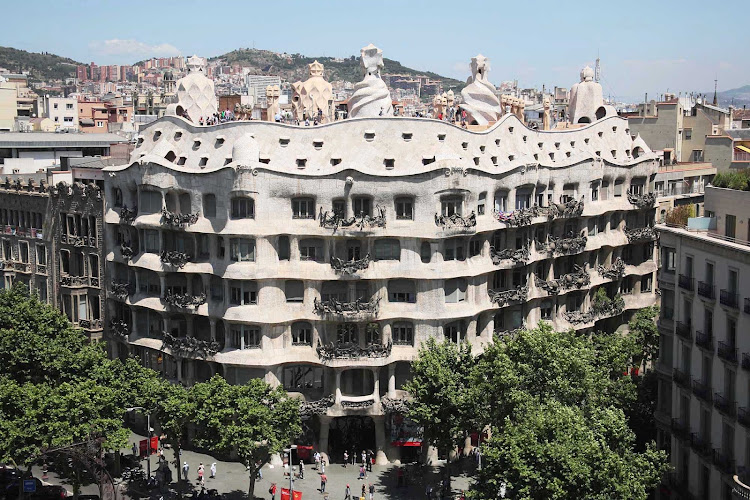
680	214
734	179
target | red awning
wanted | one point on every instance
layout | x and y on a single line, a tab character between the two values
406	443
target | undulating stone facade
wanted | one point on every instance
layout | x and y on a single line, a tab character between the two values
321	258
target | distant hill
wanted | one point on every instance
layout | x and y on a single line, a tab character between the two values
293	67
738	97
41	66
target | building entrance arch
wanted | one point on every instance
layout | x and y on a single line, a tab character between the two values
352	434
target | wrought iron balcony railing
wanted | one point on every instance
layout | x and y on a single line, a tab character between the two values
456	221
724	461
727	352
361	222
685	282
190	346
184	300
506	297
353	351
684	330
522	255
681	378
729	299
565	246
613	272
680	429
725	404
119	329
702	390
646	200
350	266
706	290
175	258
128	215
121	289
704	340
177	221
334	306
701	445
640	234
577	279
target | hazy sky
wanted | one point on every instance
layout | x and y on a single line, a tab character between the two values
645	46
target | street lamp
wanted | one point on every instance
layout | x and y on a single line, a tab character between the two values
291	470
148	439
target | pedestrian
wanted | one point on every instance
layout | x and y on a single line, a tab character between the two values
301	469
135	450
346	458
348	493
213	470
317	461
272	491
369	461
372	491
322	466
428	492
323	481
364	457
201	470
362	472
363	491
185	470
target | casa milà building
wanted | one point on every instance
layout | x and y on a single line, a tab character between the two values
321	258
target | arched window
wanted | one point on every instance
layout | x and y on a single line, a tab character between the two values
402	291
150	202
425	252
301	333
118	197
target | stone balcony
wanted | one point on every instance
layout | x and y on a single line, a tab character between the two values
577	279
359	223
332	351
640	234
177	221
507	297
350	267
642	201
357	309
456	223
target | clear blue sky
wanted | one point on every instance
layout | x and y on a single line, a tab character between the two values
645	46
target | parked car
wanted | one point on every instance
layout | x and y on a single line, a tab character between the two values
43	491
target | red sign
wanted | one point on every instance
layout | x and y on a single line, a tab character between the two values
143	447
154	444
285	494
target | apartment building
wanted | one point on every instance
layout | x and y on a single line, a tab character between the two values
703	408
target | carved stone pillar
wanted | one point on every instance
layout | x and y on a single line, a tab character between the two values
338	387
376	385
190	324
162	285
380	458
392	380
325	426
212	322
133	323
179	369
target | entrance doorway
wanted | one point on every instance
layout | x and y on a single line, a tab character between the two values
353	434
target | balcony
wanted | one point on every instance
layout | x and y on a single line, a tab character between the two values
746	309
457	222
724	462
184	300
729	299
684	330
702	390
740	489
681	378
727	352
128	215
520	256
121	289
686	282
331	351
190	346
175	258
743	417
704	340
680	429
701	446
119	329
640	234
361	222
725	405
77	241
350	267
706	290
177	221
564	246
505	297
355	308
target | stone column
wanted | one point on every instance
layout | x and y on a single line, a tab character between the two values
325	426
165	323
190	325
392	380
376	385
380	458
213	329
162	285
179	369
133	322
338	387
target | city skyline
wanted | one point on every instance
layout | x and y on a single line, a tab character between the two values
572	39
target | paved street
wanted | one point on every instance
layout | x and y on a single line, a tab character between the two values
232	479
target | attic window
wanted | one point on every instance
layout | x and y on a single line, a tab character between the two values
318	144
170	156
441	137
157	134
614	153
406	136
369	135
203	162
552	156
627	153
283	141
301	162
196	145
497	142
510	157
265	161
177	136
598	153
567	154
614	129
482	148
182	160
219	142
601	134
465	145
586	140
427	161
227	161
524	138
572	144
627	130
510	130
140	141
335	161
536	157
494	160
557	145
540	145
389	163
476	160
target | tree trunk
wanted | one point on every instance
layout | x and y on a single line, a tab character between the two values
178	467
251	486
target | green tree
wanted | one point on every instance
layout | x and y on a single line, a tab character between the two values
645	333
252	421
174	412
440	390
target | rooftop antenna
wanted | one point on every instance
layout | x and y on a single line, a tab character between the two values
597	69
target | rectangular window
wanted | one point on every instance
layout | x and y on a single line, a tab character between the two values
150	202
402	291
404	209
455	249
245	336
151	240
501	201
243	208
294	290
646	283
41	255
618	188
523	200
403	334
311	249
451	206
688	134
23	251
481	203
669	260
362	206
730	226
283	247
244	293
594	191
242	249
303	208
